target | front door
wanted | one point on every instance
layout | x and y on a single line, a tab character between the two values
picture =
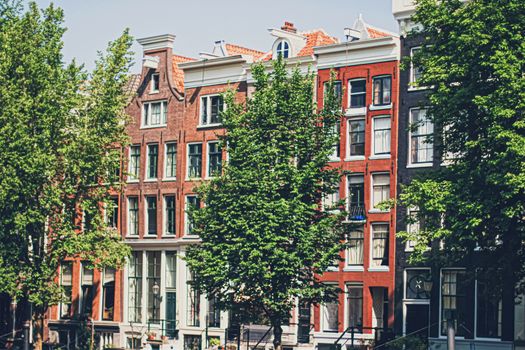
417	319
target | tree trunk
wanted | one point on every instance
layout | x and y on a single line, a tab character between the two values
277	335
38	330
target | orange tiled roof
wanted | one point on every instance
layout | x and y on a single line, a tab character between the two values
239	50
316	38
178	74
374	33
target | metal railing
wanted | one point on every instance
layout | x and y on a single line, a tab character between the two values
167	328
381	335
356	213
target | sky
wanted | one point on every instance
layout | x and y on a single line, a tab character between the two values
198	23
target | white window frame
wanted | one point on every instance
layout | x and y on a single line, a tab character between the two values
476	317
283	49
146	219
323	308
408	247
163	114
165	165
374	107
146	175
164	217
188	178
186	216
412	80
348	286
407	302
152	84
129	176
380	155
355	111
208	175
128	217
349	156
352	267
410	164
208	98
441	300
372	198
380	268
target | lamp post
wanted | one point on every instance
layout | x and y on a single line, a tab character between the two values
155	289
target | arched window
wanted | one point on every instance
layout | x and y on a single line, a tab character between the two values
283	49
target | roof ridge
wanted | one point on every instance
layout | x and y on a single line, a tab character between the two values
183	57
245	48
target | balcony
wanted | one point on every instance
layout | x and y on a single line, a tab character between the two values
356	212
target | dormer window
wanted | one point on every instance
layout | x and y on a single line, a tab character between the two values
155	82
283	49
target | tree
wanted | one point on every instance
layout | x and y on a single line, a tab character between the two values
61	131
265	241
473	61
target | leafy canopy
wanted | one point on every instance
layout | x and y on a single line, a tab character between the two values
265	241
61	131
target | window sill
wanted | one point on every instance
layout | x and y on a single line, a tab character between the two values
354	269
378	211
187	236
151	180
379	108
153	126
154	92
133	181
209	126
380	156
417	88
333	160
148	236
355	111
193	179
332	269
169	179
168	236
419	165
379	269
354	158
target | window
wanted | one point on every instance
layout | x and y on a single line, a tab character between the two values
108	294
336	127
171	161
87	291
357	93
194	160
356	192
211	108
155	82
453	300
135	287
381	135
154	114
66	282
151	215
283	49
338	89
171	294
214	314
415	71
382	90
355	248
488	309
152	279
133	216
192	202
153	159
380	189
192	342
357	137
193	304
330	316
214	159
112	213
413	227
355	306
379	245
169	215
421	132
134	162
331	202
417	284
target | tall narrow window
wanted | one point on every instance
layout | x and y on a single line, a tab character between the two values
151	215
355	248
355	306
379	245
192	202
382	90
214	159
171	294
356	191
153	160
134	162
87	291
330	316
421	133
381	135
194	160
214	314
380	189
171	161
488	309
357	93
155	82
133	216
169	215
357	137
108	294
154	114
153	282
415	70
338	91
453	300
135	287
66	282
193	304
112	213
211	108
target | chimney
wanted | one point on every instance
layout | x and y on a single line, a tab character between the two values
289	27
157	43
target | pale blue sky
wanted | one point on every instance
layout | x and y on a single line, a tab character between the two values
198	23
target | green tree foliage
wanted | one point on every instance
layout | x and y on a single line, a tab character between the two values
473	60
265	240
61	131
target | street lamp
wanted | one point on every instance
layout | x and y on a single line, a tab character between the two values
155	289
